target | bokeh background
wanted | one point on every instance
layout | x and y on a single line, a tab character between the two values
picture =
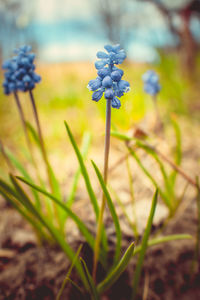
163	35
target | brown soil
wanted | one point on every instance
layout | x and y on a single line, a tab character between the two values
32	272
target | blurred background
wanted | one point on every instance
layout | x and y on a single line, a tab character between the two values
163	35
67	30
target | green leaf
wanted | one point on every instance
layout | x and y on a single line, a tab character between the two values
146	172
163	239
89	238
54	182
24	199
10	196
92	288
168	186
84	172
178	149
112	211
75	285
33	133
85	146
83	229
67	278
144	245
197	246
117	271
121	136
87	183
23	171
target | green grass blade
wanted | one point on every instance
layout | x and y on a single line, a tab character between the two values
167	181
92	288
117	271
49	226
75	285
123	207
146	172
23	171
89	238
139	143
131	188
83	229
87	183
121	136
54	181
197	246
33	133
163	239
69	273
84	150
7	187
113	213
178	149
144	245
12	200
84	172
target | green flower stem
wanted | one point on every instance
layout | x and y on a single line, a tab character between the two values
44	154
106	157
158	118
21	114
10	166
144	245
41	139
134	223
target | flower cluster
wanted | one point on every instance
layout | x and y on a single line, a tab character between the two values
151	82
109	81
20	75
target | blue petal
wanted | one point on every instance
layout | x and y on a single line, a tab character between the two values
101	54
6	64
124	86
103	72
108	48
116	48
116	75
116	103
94	84
96	96
100	64
107	82
109	94
26	78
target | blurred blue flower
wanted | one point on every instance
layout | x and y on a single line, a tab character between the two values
151	82
109	81
20	75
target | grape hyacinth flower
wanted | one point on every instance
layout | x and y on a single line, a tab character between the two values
152	87
20	75
110	84
109	81
151	83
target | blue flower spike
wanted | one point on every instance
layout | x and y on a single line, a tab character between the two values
151	83
19	71
109	81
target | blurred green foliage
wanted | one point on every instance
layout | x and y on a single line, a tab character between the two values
63	95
